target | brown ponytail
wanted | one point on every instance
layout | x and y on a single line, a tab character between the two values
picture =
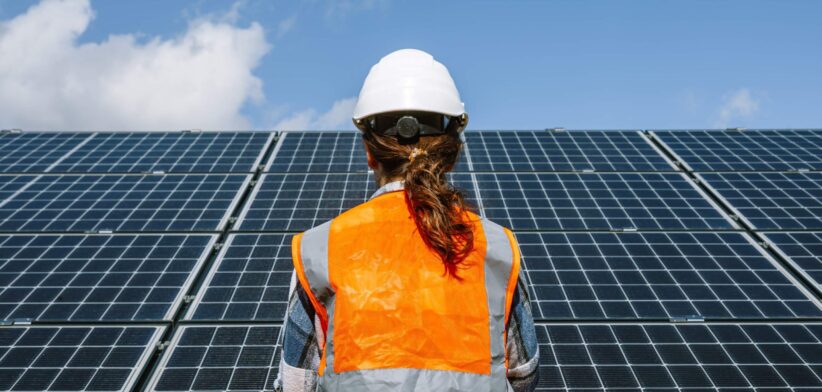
439	209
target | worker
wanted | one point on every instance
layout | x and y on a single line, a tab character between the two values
411	290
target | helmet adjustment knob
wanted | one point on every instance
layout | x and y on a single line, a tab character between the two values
408	127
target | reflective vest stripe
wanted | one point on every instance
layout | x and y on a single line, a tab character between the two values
296	258
498	260
512	283
514	275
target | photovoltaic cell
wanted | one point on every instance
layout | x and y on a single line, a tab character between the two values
324	152
755	150
597	201
657	275
72	203
803	249
772	201
318	152
520	151
220	357
297	202
171	152
77	358
10	185
680	357
97	277
250	280
32	152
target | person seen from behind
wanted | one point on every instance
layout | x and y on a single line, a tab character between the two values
411	290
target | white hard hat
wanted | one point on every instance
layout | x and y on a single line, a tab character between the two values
409	80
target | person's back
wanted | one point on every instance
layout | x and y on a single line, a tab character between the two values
410	290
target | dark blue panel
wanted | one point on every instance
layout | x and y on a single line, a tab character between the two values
9	185
100	277
249	281
773	201
523	151
319	152
221	357
324	152
656	276
171	152
804	249
72	203
753	150
77	358
296	202
596	201
679	357
31	152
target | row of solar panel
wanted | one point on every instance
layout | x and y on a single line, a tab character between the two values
132	152
295	202
573	275
502	151
572	357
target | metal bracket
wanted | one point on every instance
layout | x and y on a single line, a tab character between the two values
687	319
556	130
162	345
98	232
13	130
736	129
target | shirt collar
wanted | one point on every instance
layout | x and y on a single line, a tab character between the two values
389	187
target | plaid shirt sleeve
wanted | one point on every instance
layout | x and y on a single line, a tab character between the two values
302	335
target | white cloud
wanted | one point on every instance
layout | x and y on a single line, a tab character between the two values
286	25
200	79
338	117
739	105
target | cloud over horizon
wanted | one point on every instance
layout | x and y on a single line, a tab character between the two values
737	106
199	79
337	117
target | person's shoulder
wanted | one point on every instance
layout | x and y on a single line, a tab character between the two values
318	229
488	224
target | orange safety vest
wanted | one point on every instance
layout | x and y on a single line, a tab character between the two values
392	319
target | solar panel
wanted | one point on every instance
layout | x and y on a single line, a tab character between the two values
520	151
642	279
323	152
32	152
297	202
760	150
318	152
11	185
97	277
669	357
171	152
72	203
657	275
74	358
803	249
772	201
220	357
597	201
250	280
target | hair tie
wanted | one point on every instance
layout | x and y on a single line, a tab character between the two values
415	153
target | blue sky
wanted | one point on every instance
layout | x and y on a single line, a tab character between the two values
523	64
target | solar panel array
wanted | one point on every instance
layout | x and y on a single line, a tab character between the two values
664	260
